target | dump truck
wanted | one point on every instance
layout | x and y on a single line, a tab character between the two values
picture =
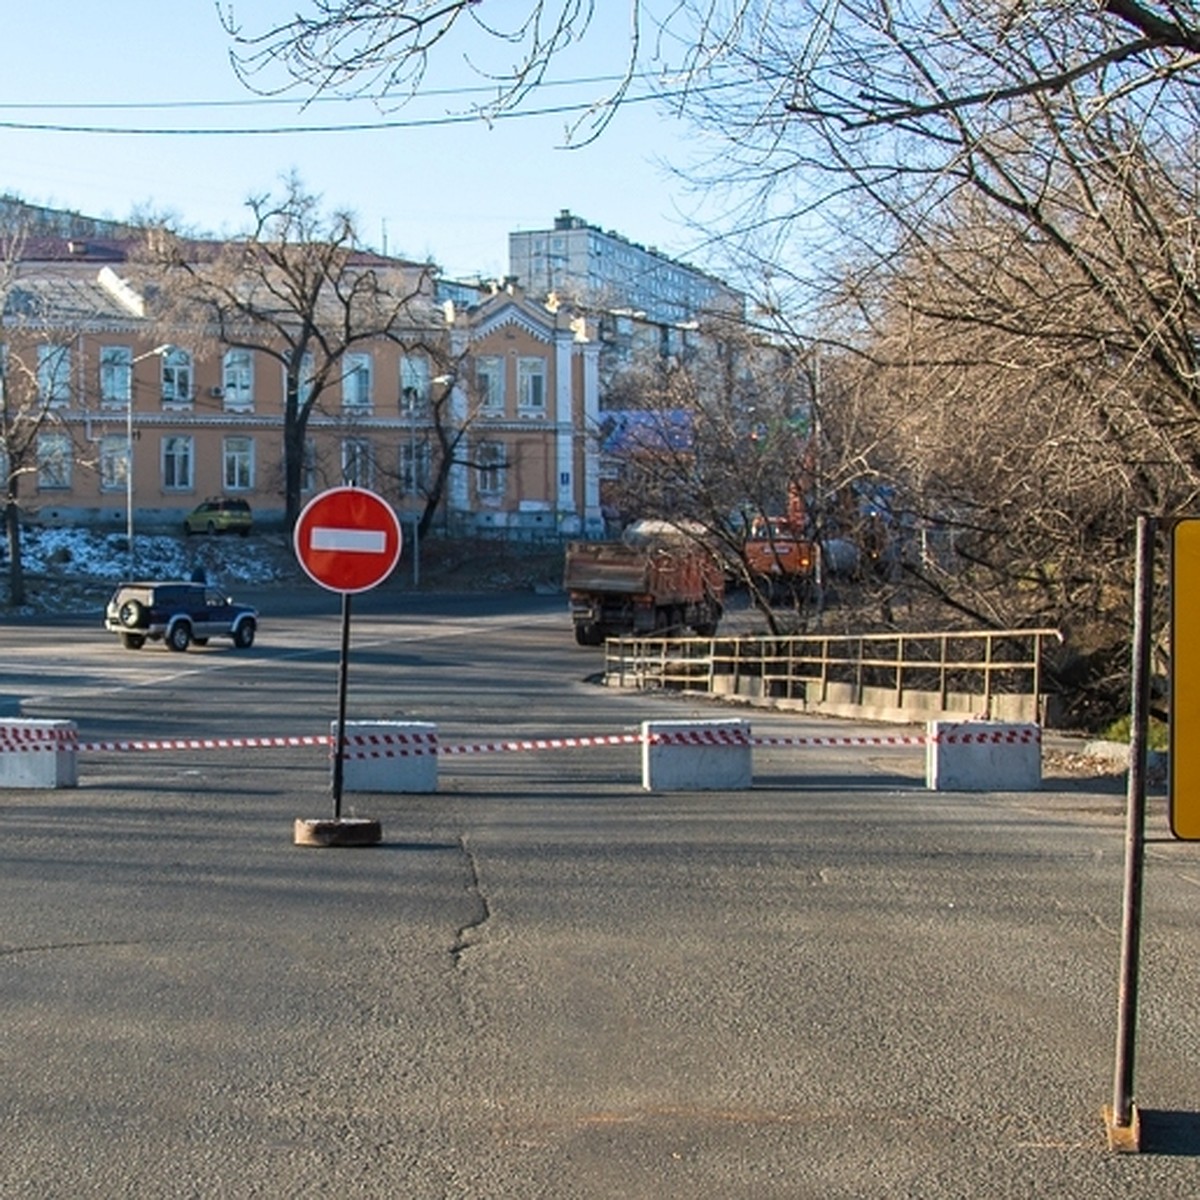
660	585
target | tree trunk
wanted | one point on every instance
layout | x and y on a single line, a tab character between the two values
12	530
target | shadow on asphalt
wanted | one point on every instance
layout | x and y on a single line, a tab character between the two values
1171	1134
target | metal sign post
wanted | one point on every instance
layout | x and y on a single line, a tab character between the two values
1121	1119
348	540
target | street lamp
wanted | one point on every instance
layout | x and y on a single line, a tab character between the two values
158	350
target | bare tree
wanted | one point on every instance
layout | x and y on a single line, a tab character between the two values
983	216
297	288
25	409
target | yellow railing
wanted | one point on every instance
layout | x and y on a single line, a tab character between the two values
894	676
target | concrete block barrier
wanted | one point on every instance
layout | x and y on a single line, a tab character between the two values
389	756
38	754
983	756
696	756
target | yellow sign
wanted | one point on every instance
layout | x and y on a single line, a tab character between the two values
1185	679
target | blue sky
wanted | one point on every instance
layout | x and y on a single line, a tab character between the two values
451	193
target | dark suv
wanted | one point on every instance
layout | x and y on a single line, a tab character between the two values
219	515
179	613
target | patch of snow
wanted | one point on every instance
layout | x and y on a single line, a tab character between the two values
88	554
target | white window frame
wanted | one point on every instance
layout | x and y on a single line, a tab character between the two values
414	479
490	380
307	368
178	462
237	463
54	374
176	377
358	371
358	462
531	399
415	385
114	461
116	376
55	462
308	469
491	469
237	379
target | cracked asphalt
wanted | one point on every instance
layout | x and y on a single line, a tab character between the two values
547	982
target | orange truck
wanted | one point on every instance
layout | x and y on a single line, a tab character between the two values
661	587
776	549
773	551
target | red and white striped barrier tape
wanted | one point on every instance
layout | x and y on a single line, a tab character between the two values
231	743
567	743
913	740
404	745
700	737
1007	737
387	745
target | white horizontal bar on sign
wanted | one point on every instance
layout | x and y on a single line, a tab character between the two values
354	541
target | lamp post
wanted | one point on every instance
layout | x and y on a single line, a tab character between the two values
156	352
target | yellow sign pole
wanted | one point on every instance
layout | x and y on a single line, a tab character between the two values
1185	679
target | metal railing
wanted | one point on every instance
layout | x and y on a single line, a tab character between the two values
897	676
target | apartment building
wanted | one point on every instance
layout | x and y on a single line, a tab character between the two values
602	271
120	426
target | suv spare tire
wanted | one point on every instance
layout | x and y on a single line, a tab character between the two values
132	614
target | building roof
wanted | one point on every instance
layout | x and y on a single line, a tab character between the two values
65	298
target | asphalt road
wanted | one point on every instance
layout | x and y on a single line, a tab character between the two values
547	982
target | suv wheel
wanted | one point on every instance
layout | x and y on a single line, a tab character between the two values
243	635
180	636
132	641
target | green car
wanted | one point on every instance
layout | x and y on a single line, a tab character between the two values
218	515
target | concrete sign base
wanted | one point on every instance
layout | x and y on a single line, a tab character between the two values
345	831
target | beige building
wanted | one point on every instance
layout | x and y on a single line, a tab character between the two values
107	427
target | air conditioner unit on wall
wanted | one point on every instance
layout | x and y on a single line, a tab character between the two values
216	392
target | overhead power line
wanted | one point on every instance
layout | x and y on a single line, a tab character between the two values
275	101
340	127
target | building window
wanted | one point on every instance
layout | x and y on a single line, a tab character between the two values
54	375
356	382
414	468
490	463
116	376
116	461
177	456
531	385
308	470
237	457
53	461
176	376
305	383
414	385
489	383
237	379
358	464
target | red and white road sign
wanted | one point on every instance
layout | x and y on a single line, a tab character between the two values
348	539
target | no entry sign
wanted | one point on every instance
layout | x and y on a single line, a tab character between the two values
348	539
